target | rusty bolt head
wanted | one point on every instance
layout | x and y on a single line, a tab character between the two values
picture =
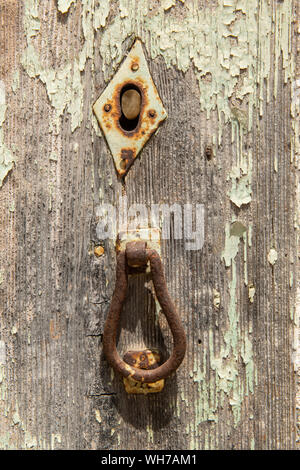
107	108
98	251
151	113
134	66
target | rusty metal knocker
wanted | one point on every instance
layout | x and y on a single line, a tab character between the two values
135	258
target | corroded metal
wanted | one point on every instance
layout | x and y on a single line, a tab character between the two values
124	144
142	255
146	359
136	254
151	236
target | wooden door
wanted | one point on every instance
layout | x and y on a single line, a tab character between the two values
226	73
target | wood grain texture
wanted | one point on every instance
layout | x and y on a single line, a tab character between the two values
226	75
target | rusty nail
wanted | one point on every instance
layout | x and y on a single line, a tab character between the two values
107	108
137	254
152	113
134	66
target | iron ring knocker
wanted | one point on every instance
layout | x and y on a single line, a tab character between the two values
136	257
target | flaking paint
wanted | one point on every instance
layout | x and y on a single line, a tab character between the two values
6	155
64	5
272	256
63	86
31	18
203	40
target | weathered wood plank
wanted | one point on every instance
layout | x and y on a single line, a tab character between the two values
225	71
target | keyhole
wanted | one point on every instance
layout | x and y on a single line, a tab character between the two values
130	100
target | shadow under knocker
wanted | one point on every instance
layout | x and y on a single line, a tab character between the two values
139	410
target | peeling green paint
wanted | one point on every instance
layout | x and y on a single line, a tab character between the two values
250	236
217	298
237	342
64	5
6	155
237	346
272	256
275	163
98	416
233	235
229	380
4	435
31	18
245	259
241	172
101	14
251	293
63	87
203	40
16	417
16	81
237	229
241	191
291	282
204	410
14	330
247	356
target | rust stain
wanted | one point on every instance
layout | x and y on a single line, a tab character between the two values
146	359
120	129
152	114
113	110
127	159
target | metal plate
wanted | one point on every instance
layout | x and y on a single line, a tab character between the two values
125	145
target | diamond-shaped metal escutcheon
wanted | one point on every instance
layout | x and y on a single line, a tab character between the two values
125	142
